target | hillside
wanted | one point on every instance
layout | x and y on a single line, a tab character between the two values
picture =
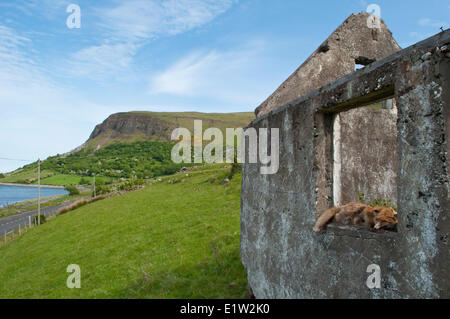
178	238
141	126
125	145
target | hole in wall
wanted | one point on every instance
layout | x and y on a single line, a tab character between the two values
361	62
324	47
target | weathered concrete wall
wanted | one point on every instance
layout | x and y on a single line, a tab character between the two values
284	258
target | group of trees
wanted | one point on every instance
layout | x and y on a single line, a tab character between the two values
139	160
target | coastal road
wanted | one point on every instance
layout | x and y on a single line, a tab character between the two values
12	222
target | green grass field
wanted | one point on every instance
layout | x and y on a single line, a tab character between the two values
178	238
25	176
30	176
61	179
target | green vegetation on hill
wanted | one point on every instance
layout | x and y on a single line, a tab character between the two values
144	159
123	155
178	238
25	175
61	179
141	160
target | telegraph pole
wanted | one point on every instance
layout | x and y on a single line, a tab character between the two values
39	191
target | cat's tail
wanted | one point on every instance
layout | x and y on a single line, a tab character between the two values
324	218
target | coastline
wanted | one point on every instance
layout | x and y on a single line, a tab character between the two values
32	201
32	185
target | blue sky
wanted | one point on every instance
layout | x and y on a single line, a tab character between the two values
57	83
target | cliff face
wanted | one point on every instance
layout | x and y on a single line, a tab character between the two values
127	125
133	126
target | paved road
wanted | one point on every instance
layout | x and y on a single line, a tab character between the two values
12	222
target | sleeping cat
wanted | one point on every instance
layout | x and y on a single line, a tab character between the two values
356	214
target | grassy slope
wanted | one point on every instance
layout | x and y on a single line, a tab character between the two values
62	179
152	243
23	175
29	176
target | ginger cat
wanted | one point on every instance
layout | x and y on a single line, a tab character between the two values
356	214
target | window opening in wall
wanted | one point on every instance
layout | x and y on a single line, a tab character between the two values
364	167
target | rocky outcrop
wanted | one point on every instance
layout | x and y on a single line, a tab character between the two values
122	125
356	41
139	126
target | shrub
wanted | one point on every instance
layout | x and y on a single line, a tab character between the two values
99	181
2	175
23	181
84	181
72	190
43	219
100	190
131	185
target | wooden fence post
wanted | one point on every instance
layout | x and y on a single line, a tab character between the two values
29	221
20	232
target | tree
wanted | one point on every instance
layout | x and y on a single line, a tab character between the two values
72	190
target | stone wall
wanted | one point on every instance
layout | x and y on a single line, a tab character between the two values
284	258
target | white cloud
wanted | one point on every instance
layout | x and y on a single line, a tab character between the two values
98	62
14	64
39	118
131	24
224	76
49	9
147	19
188	76
429	28
426	22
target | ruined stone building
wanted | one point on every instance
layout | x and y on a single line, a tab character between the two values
381	131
